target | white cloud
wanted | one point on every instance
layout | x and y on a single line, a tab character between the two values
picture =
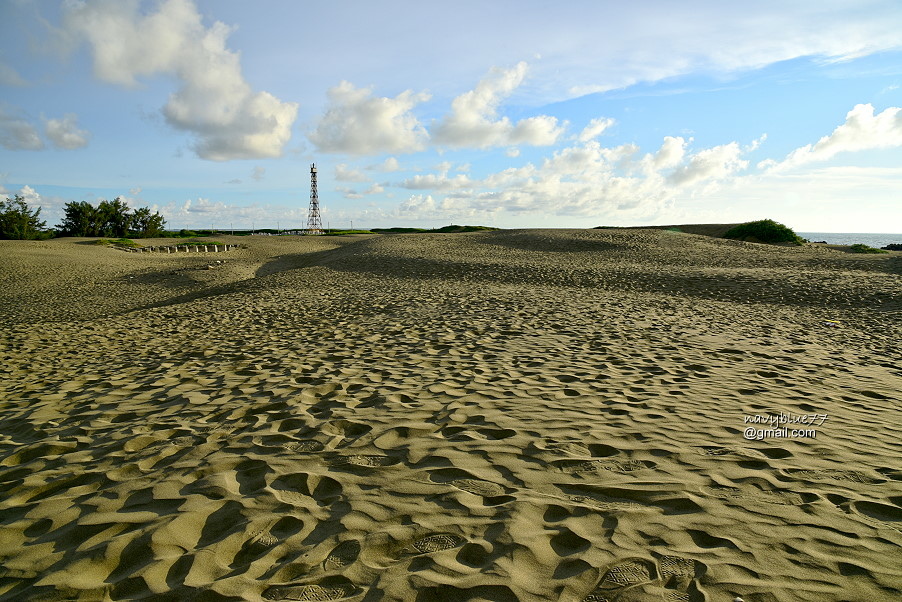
512	152
258	172
584	180
32	198
358	123
348	193
345	174
710	164
862	130
18	134
436	182
473	119
671	152
595	128
64	133
214	102
389	165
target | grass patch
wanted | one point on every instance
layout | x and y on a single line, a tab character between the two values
198	243
118	242
764	231
860	248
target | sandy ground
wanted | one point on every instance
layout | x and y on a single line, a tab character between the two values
514	415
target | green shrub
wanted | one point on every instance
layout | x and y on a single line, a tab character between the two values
860	248
764	231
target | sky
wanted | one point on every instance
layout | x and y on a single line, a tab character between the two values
515	114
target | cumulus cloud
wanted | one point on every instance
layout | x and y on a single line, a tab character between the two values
583	180
358	123
389	165
709	164
214	102
436	182
345	174
473	121
203	206
862	130
258	172
64	133
18	134
671	152
595	128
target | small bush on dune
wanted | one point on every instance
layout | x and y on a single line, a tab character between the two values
860	248
764	231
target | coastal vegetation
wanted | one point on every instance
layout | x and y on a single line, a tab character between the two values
119	242
861	248
18	221
110	219
764	231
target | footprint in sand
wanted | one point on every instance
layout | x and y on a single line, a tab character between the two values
342	555
670	579
854	476
307	445
302	488
622	466
364	461
784	498
334	588
478	487
436	542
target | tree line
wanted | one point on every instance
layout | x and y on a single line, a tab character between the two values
112	219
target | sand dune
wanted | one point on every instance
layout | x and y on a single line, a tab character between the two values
511	415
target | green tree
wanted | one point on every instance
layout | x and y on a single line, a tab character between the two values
18	221
81	219
115	218
110	219
146	224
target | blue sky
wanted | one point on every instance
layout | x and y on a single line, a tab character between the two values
514	114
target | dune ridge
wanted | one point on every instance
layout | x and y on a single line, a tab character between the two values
510	415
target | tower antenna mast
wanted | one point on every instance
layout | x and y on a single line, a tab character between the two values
314	220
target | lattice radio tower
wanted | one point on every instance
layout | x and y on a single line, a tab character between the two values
314	220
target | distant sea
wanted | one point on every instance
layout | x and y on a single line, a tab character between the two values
874	239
